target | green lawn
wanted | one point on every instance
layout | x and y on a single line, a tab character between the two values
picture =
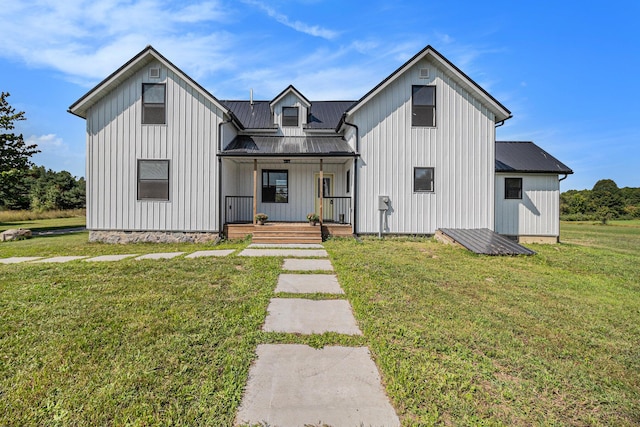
459	339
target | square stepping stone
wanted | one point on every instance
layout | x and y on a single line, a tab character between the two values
309	284
61	259
285	252
296	385
160	255
109	258
304	316
287	245
18	259
219	252
307	264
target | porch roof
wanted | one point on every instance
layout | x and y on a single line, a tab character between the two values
293	146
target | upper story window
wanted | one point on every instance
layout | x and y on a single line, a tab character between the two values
289	116
153	104
423	106
513	188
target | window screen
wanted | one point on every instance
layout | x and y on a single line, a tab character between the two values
153	103
153	179
513	188
422	180
423	106
289	116
275	186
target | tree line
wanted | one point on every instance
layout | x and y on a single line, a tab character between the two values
24	185
603	202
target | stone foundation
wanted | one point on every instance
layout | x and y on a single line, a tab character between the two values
124	237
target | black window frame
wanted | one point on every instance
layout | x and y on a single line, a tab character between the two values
431	181
270	192
155	107
423	115
509	191
348	179
287	120
144	184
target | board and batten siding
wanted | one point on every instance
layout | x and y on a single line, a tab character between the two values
536	214
290	100
301	185
117	139
460	148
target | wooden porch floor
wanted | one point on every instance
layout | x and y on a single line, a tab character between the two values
286	232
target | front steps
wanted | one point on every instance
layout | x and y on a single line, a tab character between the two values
273	232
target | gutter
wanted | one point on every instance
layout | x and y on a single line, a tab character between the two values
218	155
564	177
343	120
501	122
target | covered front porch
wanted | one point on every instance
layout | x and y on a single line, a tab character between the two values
287	190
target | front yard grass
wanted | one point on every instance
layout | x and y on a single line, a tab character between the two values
459	339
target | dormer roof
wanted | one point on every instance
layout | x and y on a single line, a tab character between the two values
288	90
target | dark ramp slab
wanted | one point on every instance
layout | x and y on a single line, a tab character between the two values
482	241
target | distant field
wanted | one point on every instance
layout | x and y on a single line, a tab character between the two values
34	221
459	339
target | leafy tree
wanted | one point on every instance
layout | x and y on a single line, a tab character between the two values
606	201
14	157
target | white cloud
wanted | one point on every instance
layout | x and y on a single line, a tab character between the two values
57	154
312	30
87	40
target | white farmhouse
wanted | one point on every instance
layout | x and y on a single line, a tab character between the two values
167	160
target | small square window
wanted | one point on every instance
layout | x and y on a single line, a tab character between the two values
153	179
153	104
423	106
289	116
513	188
423	180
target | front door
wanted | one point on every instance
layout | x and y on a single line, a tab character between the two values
327	193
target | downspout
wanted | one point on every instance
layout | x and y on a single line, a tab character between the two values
355	174
564	177
220	208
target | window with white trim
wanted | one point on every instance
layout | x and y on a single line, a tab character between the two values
423	180
423	106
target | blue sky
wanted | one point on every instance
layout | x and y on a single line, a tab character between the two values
568	71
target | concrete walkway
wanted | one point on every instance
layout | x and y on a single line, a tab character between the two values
115	258
294	385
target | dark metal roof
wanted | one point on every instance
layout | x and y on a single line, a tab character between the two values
323	114
294	146
257	116
327	114
486	242
521	156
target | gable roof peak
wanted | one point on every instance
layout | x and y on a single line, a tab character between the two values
500	111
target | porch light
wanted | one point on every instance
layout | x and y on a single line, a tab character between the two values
287	161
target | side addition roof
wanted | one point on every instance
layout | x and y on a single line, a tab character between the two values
523	156
146	56
500	111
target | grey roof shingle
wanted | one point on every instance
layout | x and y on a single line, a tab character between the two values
323	114
521	156
243	145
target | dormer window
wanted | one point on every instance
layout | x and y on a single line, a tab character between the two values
289	116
